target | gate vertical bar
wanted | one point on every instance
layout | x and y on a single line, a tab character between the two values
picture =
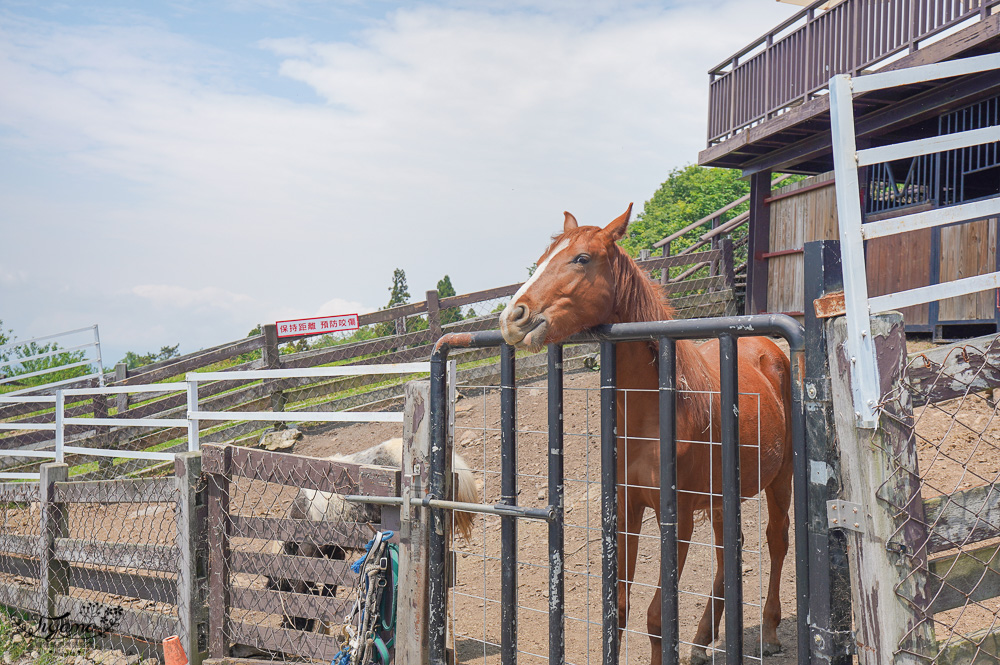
557	620
796	353
609	503
508	496
437	582
829	577
731	523
669	645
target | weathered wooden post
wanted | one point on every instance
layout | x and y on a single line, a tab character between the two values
54	576
217	464
411	647
100	404
881	511
434	314
665	271
122	399
272	360
728	273
192	557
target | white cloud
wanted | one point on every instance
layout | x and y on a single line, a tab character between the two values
341	306
12	277
179	297
447	140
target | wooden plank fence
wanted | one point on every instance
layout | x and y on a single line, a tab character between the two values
257	624
93	581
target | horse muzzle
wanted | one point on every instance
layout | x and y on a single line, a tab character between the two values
523	328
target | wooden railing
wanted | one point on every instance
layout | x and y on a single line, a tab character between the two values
793	62
376	392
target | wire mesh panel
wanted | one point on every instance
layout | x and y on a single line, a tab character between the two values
118	548
281	541
477	603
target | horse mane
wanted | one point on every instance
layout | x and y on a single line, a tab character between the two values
639	298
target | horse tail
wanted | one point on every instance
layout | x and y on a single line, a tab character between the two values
466	492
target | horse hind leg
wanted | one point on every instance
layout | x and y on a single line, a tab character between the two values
654	617
779	499
708	627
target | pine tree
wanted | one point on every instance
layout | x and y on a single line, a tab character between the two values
445	289
399	293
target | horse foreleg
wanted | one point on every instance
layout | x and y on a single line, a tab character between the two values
654	617
779	499
630	523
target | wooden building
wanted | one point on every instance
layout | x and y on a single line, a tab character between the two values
769	112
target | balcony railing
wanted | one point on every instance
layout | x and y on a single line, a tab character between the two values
794	62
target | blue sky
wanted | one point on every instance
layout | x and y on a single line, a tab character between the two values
178	172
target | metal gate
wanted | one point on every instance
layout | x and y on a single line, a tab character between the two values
665	334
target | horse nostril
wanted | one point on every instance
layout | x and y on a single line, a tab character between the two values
521	314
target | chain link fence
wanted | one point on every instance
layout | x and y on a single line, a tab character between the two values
942	488
281	549
90	571
699	283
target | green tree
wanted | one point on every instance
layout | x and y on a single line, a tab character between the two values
687	195
446	289
399	293
5	338
135	360
17	361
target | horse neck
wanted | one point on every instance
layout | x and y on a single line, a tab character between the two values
638	299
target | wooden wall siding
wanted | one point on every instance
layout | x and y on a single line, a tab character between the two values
968	250
901	262
796	220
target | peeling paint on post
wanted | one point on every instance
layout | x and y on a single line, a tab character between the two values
411	642
880	473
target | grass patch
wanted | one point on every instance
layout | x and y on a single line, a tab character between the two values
18	644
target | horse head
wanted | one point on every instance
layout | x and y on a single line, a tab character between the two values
572	289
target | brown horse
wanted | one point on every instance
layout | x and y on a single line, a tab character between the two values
584	279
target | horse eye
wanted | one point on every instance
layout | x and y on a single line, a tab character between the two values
583	259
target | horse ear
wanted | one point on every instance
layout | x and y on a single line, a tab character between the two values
616	229
569	223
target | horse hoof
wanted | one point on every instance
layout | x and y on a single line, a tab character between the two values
771	648
699	656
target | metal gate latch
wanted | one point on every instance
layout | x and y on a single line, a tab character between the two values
845	515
